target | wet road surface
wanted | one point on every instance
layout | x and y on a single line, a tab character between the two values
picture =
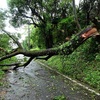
35	82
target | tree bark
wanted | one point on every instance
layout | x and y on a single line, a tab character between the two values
65	49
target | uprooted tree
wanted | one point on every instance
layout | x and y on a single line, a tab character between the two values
66	48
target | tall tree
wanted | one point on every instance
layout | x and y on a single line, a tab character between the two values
91	9
40	13
75	15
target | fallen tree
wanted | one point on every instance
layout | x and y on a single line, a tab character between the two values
65	49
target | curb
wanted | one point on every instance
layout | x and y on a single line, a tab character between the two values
74	81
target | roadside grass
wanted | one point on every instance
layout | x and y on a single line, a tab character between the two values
60	97
1	77
80	65
85	72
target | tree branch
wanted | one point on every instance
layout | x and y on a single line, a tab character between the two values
23	65
66	48
12	64
12	37
44	58
9	55
31	19
35	13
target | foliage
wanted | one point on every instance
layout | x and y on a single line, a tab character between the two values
1	74
53	21
93	78
59	33
4	40
90	11
37	38
41	14
2	18
83	64
67	24
60	97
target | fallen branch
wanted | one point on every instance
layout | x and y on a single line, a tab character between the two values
66	48
13	64
13	38
44	58
9	55
23	65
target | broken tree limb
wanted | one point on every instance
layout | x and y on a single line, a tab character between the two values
13	38
66	48
9	55
12	64
23	65
44	58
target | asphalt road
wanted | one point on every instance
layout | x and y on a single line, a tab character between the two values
36	82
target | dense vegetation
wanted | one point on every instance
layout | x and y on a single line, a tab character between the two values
83	64
53	22
5	42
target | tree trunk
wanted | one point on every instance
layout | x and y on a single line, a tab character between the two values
49	40
65	49
75	14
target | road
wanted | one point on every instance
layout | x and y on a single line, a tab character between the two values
36	82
